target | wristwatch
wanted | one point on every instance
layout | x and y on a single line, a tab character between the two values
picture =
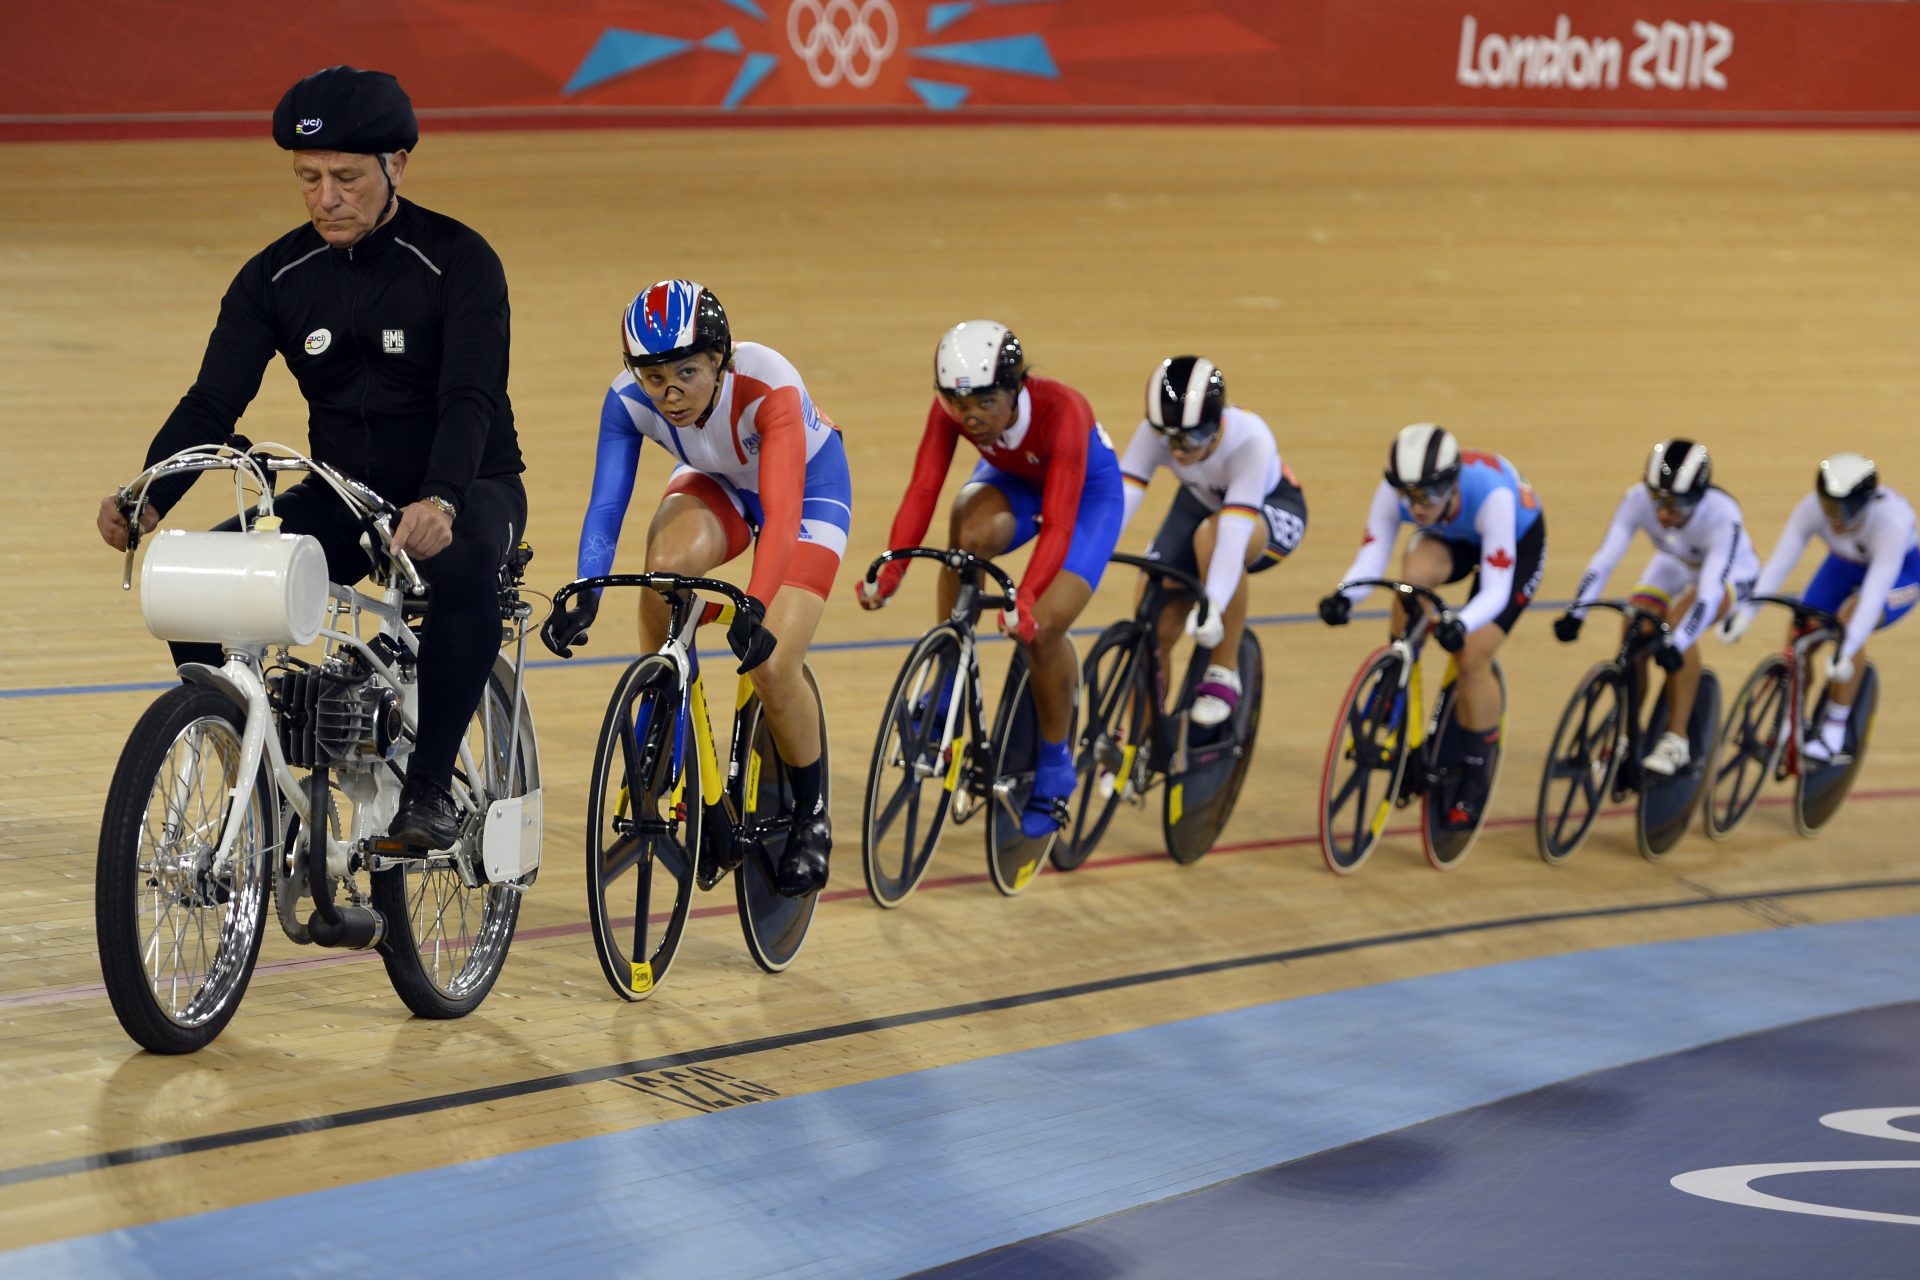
442	504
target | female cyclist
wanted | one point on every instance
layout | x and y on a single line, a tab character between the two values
1870	578
1046	468
1703	566
1232	485
1472	512
757	463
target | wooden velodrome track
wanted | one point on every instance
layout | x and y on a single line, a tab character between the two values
1563	297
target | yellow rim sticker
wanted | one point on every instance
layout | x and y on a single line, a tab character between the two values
642	977
1174	797
953	770
1126	766
1026	874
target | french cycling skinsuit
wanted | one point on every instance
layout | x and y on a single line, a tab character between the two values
1498	534
1711	550
1880	560
1243	479
764	460
1057	471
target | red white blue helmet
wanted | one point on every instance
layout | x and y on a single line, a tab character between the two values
672	320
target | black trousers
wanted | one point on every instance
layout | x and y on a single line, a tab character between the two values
463	624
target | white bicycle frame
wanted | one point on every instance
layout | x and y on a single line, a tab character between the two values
374	789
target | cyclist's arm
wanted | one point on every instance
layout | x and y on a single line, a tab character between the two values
1066	455
783	484
473	368
1146	453
1601	567
1383	526
930	463
615	460
1499	547
1891	538
1711	587
237	355
1240	515
1803	524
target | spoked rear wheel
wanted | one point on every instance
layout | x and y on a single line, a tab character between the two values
1013	857
1752	739
1365	759
775	926
1581	764
178	934
910	780
1200	801
643	830
447	941
1108	759
1446	836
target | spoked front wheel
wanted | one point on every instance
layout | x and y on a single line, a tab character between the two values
911	778
643	829
1365	758
1108	761
179	931
1581	764
1752	740
775	926
447	940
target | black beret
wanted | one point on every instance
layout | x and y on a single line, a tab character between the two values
346	109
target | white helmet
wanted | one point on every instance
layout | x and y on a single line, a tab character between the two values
1424	462
1846	483
975	355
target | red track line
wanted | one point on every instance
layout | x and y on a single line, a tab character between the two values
54	995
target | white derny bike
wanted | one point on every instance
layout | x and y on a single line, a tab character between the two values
275	777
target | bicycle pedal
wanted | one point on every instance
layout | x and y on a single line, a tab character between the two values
394	848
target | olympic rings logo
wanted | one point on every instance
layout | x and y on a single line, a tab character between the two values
843	40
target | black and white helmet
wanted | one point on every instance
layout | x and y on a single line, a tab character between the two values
1679	473
1846	483
976	355
1424	462
1185	398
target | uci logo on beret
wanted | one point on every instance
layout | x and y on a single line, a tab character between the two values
307	127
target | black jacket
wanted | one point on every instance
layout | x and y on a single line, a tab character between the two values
399	345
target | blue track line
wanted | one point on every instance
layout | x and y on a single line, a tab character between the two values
622	659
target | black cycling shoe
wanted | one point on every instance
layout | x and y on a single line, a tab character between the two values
427	817
803	867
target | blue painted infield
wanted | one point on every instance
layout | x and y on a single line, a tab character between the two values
910	1172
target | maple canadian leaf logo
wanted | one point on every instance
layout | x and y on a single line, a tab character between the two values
1366	537
1500	559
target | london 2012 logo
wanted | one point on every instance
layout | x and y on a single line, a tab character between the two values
841	40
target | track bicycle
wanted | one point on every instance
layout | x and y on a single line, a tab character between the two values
933	758
1600	742
275	777
1768	724
1390	755
663	818
1133	742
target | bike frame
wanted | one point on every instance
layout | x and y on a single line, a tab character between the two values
1813	628
242	676
1167	734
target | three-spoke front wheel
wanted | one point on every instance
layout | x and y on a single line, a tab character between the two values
1752	738
1365	759
1581	763
914	769
643	829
